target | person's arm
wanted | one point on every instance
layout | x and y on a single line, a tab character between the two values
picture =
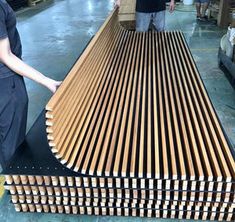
21	68
172	6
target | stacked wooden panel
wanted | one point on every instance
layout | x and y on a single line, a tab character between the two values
134	121
127	11
126	197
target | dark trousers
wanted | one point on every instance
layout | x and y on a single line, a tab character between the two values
13	116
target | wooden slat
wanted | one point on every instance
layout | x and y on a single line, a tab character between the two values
165	70
143	72
149	124
160	66
156	125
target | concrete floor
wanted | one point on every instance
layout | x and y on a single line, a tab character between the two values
55	33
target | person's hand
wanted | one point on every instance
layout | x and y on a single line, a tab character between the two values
172	6
117	3
53	85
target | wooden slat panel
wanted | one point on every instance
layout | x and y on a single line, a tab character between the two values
136	107
133	119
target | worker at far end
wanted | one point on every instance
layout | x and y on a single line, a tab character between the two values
150	12
201	7
13	95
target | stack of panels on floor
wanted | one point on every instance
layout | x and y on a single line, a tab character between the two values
134	121
126	197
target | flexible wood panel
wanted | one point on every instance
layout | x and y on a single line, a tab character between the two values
135	127
135	106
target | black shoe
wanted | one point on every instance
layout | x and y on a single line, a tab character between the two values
204	19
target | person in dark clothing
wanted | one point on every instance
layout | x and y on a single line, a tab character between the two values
13	95
150	12
201	7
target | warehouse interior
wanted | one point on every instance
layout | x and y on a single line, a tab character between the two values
54	33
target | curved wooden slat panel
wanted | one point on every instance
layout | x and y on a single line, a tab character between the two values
134	105
134	123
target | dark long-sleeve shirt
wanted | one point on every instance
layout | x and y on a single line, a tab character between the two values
149	6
